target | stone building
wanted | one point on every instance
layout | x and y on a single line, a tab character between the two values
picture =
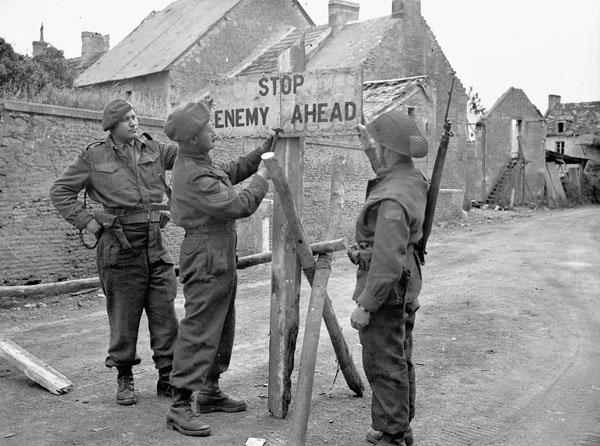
573	144
573	129
173	52
509	158
398	46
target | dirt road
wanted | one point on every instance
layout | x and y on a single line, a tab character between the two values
507	346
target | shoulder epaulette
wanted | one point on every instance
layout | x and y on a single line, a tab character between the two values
94	144
147	136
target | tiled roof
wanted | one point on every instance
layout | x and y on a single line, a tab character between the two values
267	61
352	45
581	118
158	41
379	95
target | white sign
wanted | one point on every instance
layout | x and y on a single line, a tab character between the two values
309	103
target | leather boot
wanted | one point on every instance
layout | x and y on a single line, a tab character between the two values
374	436
212	399
125	389
163	385
391	440
181	417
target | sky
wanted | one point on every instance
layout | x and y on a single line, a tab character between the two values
540	46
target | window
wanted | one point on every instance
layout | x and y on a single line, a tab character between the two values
560	147
128	95
560	127
411	112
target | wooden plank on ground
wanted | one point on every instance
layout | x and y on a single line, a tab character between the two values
34	368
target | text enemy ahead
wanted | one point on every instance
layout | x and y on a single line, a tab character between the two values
320	102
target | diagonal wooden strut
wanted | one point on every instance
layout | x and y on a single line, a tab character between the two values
320	304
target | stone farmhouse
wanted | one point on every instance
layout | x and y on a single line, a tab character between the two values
173	52
573	145
509	159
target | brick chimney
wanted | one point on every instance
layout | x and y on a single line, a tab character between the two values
93	45
400	8
553	101
342	12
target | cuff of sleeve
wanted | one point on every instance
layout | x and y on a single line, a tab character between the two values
368	303
82	220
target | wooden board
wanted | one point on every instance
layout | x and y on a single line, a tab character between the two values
34	368
301	103
554	188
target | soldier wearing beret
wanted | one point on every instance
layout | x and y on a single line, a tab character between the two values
389	276
136	270
206	205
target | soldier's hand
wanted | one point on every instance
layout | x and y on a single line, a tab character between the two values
94	227
360	318
364	137
263	171
266	146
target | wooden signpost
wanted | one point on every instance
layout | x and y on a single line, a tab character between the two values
300	103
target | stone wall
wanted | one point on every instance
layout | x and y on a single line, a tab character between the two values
37	142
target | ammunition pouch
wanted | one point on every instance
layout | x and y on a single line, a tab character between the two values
360	254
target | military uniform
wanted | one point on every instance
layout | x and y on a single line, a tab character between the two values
135	268
206	205
388	227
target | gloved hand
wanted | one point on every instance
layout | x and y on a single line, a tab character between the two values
364	137
360	318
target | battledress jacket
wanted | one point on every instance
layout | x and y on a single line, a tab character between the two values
112	178
203	193
391	222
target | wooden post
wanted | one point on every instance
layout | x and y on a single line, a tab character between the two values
315	313
308	264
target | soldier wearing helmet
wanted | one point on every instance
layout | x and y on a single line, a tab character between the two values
389	276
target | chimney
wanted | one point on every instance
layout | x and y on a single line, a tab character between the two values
400	8
93	45
342	12
553	101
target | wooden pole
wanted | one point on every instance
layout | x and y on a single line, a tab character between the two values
315	313
342	351
69	286
285	284
317	248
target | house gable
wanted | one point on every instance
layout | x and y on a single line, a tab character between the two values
158	41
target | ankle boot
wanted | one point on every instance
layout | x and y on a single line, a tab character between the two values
212	399
181	417
125	389
163	385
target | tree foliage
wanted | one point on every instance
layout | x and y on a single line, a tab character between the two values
474	103
24	75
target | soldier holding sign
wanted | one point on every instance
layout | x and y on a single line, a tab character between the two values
205	204
389	276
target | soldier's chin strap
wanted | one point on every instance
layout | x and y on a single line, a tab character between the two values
83	242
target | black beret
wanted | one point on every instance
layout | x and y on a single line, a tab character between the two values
113	112
186	121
